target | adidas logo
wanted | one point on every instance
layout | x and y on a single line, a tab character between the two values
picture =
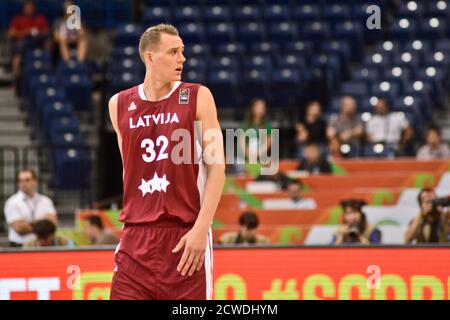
132	107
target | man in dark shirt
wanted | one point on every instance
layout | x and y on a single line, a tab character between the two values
313	162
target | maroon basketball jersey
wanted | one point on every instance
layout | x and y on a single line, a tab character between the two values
155	186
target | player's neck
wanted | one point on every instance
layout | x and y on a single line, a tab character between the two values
156	90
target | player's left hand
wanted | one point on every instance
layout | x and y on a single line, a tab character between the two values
194	243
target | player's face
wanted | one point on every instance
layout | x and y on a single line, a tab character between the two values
168	58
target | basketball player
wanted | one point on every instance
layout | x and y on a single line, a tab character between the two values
165	249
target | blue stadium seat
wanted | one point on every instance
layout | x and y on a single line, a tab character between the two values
232	48
128	35
264	48
315	31
156	14
251	32
342	50
276	12
255	84
188	13
433	28
410	9
55	109
59	125
220	32
336	12
282	31
306	12
417	46
192	32
216	13
72	67
78	91
48	95
366	74
228	63
397	73
71	169
403	29
94	13
261	62
378	151
126	52
118	12
224	84
66	139
438	8
442	45
294	61
285	87
198	63
356	89
246	13
196	49
386	89
194	76
37	55
305	48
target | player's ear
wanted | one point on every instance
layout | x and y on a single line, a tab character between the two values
148	56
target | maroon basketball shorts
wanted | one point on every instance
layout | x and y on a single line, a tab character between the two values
145	267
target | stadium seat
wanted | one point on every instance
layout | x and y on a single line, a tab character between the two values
216	13
224	84
71	169
283	31
156	14
276	12
246	13
78	91
220	32
285	87
267	48
306	12
192	32
187	13
128	35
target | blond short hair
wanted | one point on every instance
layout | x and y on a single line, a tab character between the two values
152	36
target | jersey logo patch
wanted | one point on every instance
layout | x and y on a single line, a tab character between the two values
132	106
184	96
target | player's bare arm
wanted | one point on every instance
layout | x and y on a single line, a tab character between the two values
194	242
112	106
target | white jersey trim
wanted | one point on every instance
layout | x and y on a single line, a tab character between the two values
144	97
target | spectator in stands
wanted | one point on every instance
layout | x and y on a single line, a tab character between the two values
431	225
313	162
347	126
68	39
248	225
45	232
434	147
334	149
96	232
312	129
257	119
355	228
389	128
27	30
25	207
296	199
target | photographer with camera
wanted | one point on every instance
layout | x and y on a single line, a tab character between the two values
431	225
355	229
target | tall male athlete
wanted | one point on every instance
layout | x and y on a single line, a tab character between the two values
166	247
